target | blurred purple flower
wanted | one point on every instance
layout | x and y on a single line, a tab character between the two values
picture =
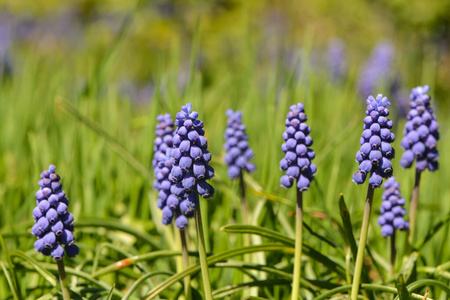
377	70
337	59
238	151
421	132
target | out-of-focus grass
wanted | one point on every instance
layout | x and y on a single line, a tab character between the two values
35	132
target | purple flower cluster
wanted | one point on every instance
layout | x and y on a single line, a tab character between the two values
421	133
54	224
392	211
376	69
164	134
190	169
236	145
297	159
376	152
337	59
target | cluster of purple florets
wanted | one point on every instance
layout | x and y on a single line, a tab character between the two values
54	224
236	145
392	211
376	152
167	202
164	133
189	169
421	133
297	159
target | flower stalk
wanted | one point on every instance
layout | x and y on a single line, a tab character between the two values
184	252
298	247
202	254
63	280
413	210
362	244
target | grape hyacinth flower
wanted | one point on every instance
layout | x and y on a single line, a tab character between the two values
298	166
421	136
421	133
164	133
392	211
392	215
53	223
168	202
376	152
190	173
297	159
238	151
374	160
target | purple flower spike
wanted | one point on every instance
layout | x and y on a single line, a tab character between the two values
54	225
392	211
376	152
238	152
297	159
421	132
182	169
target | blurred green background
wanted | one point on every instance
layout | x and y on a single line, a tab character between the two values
81	83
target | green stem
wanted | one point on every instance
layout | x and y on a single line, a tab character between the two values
202	253
393	255
413	211
187	279
362	244
63	279
298	247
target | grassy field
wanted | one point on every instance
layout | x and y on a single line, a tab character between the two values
72	112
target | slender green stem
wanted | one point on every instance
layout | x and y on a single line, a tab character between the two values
393	255
202	253
187	279
63	279
298	247
362	244
413	210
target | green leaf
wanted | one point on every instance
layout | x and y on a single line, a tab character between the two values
138	282
431	282
13	281
403	292
346	221
408	268
271	234
115	225
214	259
37	266
433	230
110	294
133	260
231	289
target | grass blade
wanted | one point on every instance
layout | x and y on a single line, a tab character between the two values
110	294
271	234
231	289
214	259
403	292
